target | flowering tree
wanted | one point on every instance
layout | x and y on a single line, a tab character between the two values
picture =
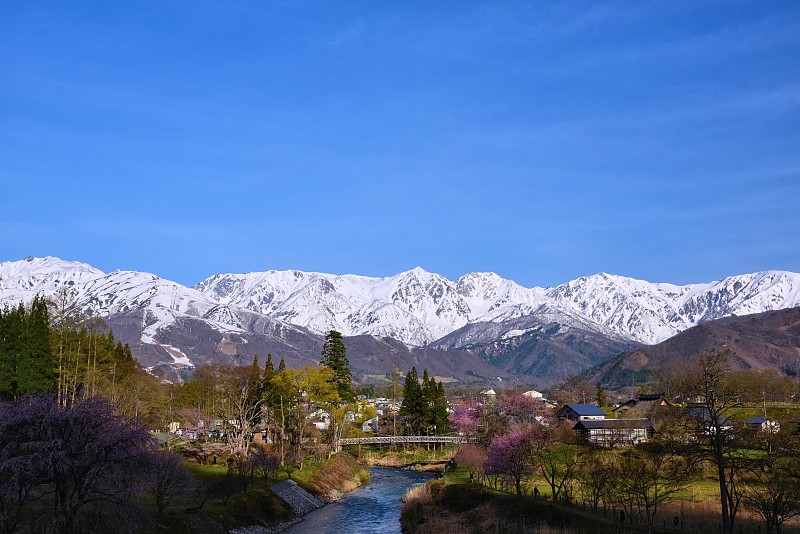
466	418
472	458
517	410
509	455
83	460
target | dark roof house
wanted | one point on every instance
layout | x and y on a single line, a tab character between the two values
762	423
580	412
702	415
614	432
647	404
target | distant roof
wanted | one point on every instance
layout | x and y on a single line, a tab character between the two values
488	392
701	413
614	423
650	396
755	421
585	409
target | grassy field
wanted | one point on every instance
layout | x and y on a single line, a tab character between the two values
697	510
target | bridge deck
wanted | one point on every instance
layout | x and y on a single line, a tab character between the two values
395	440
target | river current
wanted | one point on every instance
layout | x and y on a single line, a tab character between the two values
372	508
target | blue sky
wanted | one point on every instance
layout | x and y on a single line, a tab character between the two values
542	141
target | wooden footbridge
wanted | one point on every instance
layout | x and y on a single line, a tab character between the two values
400	440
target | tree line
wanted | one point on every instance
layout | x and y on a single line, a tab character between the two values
45	348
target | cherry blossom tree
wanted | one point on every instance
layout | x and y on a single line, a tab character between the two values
472	458
83	462
517	410
466	418
509	455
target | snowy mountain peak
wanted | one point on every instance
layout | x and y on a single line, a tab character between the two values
414	306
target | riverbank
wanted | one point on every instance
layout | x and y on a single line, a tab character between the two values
224	501
442	507
332	478
415	459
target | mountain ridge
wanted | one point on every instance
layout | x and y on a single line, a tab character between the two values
480	316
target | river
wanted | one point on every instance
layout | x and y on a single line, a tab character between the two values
372	508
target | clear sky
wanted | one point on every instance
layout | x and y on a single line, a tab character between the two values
542	141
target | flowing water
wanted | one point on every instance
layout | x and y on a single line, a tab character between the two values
372	508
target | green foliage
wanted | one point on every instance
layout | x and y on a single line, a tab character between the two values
424	406
600	395
26	360
413	406
334	356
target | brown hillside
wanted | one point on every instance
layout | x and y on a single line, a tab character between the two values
760	341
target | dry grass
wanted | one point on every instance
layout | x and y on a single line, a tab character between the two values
437	507
338	474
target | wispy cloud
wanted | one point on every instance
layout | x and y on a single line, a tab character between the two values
352	33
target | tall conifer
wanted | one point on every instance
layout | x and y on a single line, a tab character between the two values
36	364
413	406
334	356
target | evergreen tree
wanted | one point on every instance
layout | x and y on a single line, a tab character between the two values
26	361
281	367
267	379
36	363
8	360
269	369
334	356
600	395
413	406
428	389
119	352
441	419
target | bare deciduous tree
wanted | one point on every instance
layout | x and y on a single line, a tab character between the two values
715	433
170	480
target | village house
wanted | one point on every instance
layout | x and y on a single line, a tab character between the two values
645	404
763	424
580	412
701	414
614	432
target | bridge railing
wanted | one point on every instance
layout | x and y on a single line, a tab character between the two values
393	440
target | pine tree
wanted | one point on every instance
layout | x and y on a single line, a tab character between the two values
26	361
413	406
119	352
36	363
269	369
8	363
440	413
428	390
600	395
281	367
334	356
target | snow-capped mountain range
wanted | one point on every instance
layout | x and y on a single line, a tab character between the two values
419	307
416	307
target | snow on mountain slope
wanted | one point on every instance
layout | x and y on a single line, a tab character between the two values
20	281
416	307
650	313
161	302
